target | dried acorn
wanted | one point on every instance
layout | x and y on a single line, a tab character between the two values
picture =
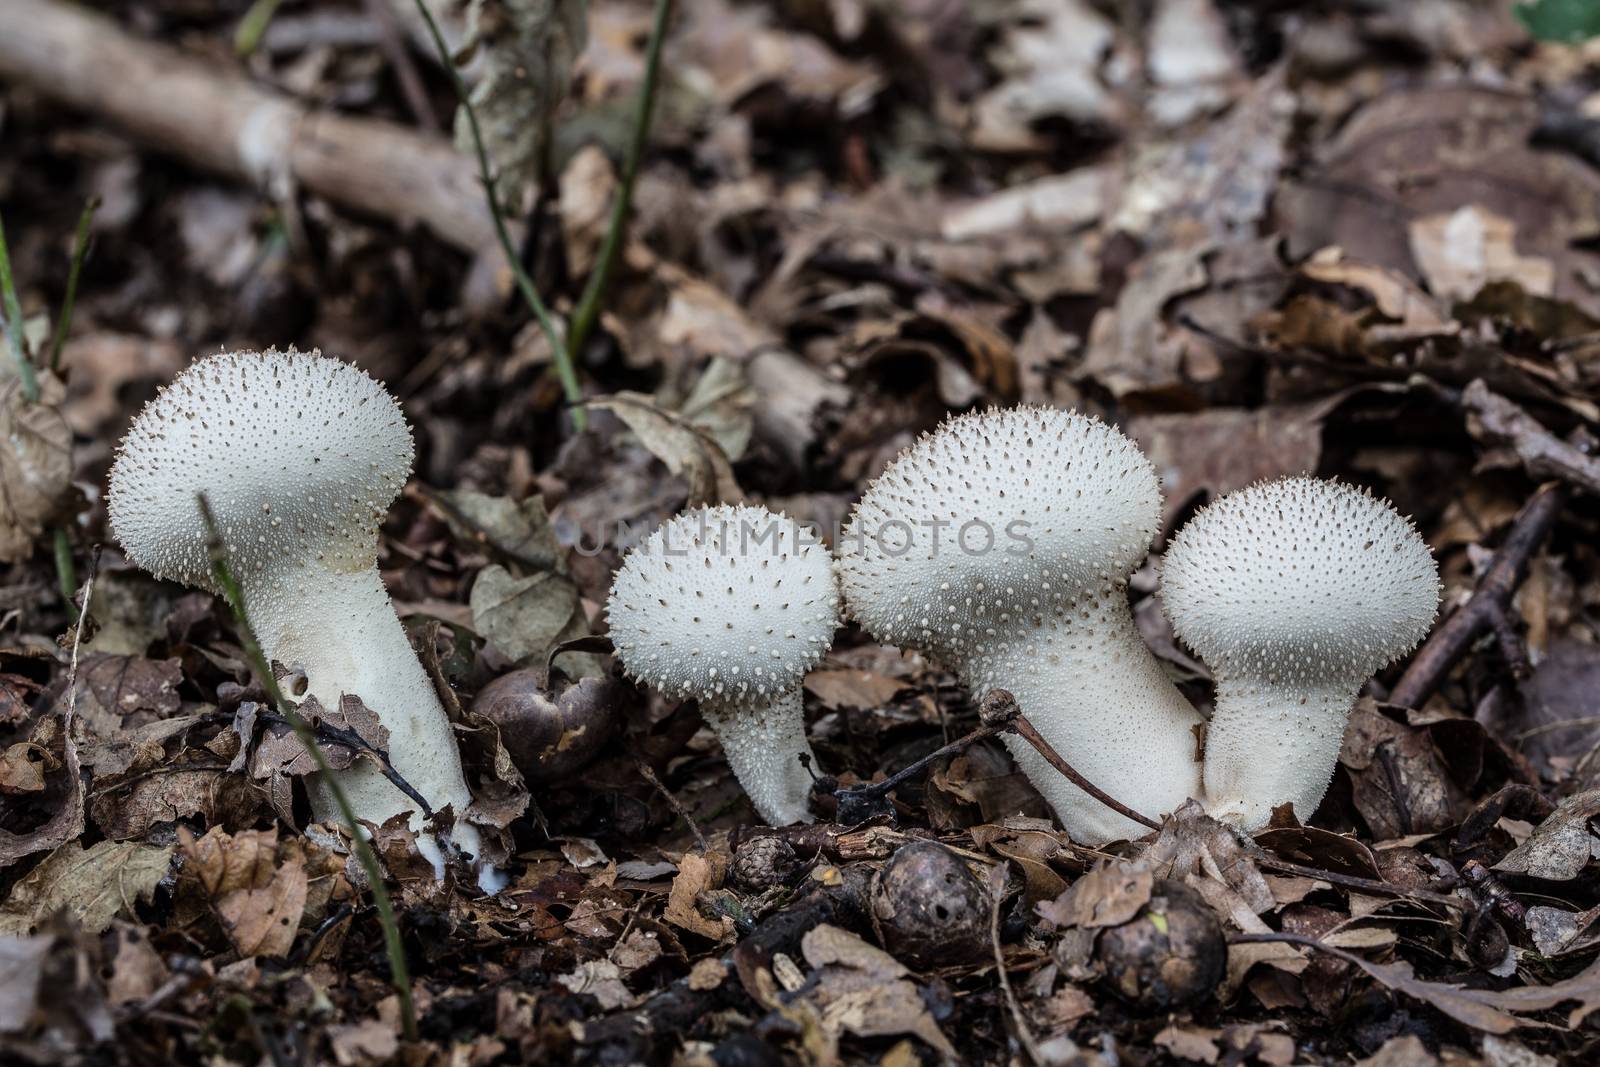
929	909
551	732
1170	954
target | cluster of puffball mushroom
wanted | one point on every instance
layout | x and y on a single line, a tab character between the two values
1293	592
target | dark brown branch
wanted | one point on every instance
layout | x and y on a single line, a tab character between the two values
1490	602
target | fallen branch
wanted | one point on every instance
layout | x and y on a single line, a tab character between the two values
222	122
1497	421
1489	605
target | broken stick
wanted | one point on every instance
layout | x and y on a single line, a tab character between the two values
225	123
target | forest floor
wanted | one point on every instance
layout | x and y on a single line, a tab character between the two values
1359	239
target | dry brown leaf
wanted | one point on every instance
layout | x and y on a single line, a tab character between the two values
1561	846
1460	251
697	873
865	991
35	465
1109	895
688	451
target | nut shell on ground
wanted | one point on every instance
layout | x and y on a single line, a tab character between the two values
552	732
929	909
1170	954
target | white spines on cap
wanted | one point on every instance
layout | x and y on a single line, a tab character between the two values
1002	544
299	457
731	606
1293	592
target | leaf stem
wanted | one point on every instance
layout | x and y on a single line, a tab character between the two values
399	972
80	251
13	323
588	310
560	353
66	571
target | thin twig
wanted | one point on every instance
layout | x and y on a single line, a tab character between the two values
350	739
588	310
1491	600
876	790
559	351
80	251
997	882
995	709
677	805
392	43
13	323
399	972
1366	885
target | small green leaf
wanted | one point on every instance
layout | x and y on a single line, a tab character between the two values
1566	21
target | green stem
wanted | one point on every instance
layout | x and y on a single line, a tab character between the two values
588	311
13	323
66	573
399	972
560	352
80	250
247	38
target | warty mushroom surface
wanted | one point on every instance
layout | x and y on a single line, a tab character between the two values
1001	545
1293	592
299	457
731	606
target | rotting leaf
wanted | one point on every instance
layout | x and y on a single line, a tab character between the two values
687	450
90	885
865	991
525	617
35	465
1562	845
1109	895
697	873
520	531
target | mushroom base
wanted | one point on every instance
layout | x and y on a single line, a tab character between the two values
1095	692
764	745
1270	745
341	630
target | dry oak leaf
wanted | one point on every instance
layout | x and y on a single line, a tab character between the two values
697	873
90	885
686	449
257	897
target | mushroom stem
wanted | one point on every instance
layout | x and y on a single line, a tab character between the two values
1270	746
1093	691
340	628
763	746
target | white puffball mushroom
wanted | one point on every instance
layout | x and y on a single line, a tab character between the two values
731	606
1002	545
1293	592
300	457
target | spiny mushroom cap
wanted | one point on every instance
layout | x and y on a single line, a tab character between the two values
299	455
726	604
996	522
1300	580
